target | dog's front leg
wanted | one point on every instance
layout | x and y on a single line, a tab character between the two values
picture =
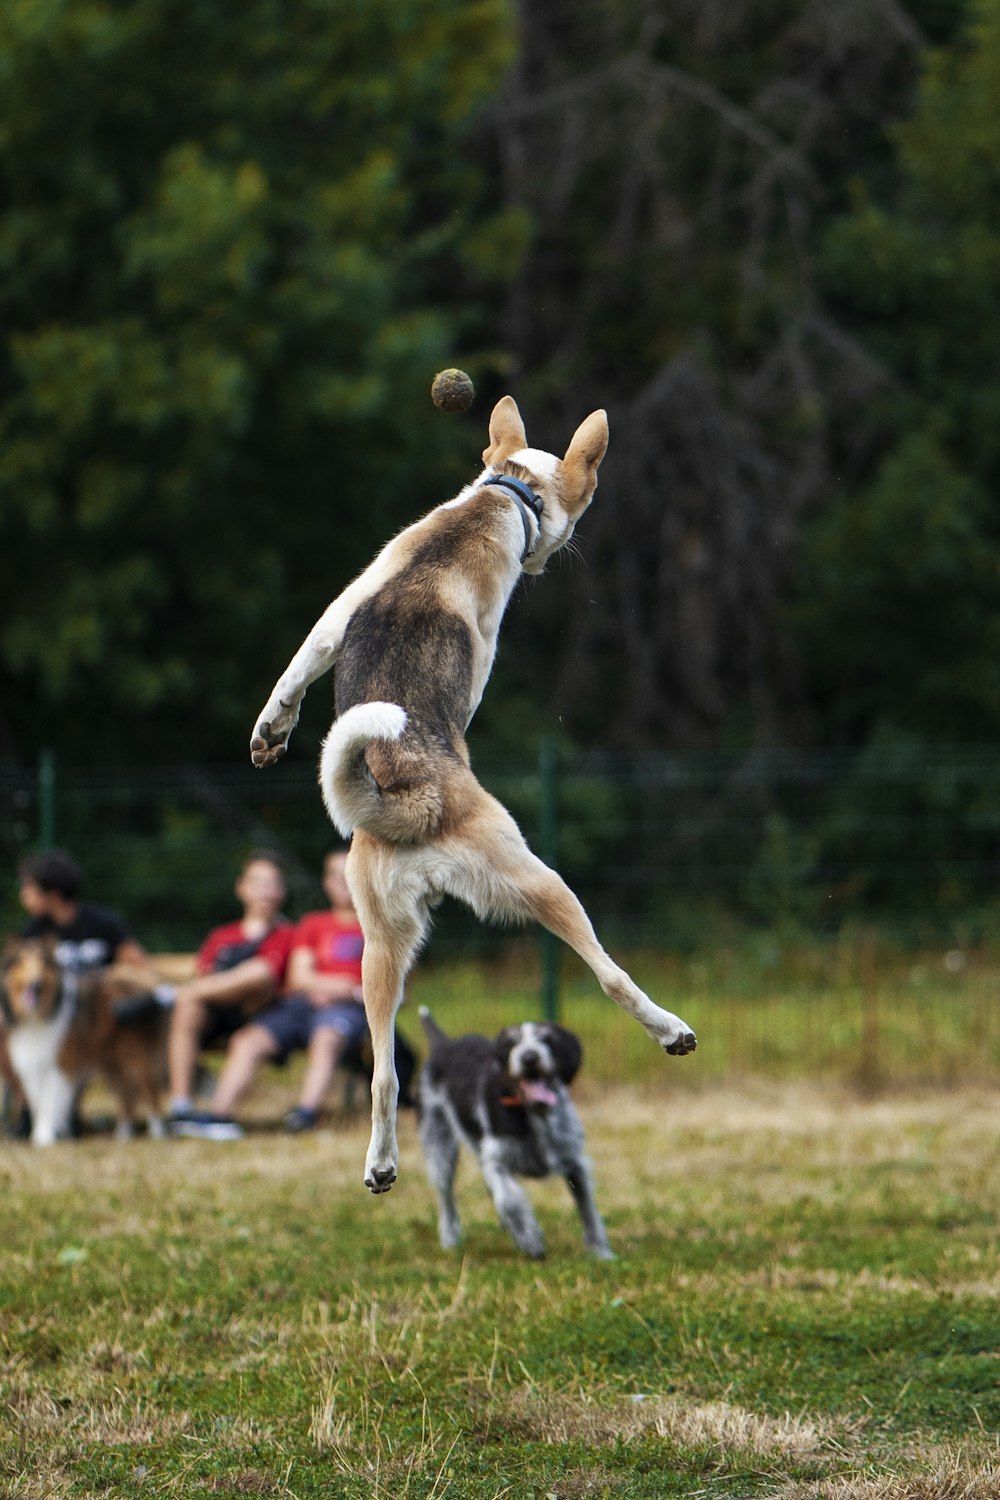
280	713
50	1120
512	1205
441	1155
581	1185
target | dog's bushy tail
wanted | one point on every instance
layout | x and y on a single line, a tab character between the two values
349	790
374	775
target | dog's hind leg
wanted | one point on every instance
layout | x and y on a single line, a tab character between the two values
393	920
493	871
552	903
128	1097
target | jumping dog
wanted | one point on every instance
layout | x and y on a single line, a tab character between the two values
413	640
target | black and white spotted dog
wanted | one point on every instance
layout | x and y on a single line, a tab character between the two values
508	1101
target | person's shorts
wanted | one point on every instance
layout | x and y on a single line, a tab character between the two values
293	1021
221	1021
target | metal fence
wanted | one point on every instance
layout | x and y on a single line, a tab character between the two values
666	850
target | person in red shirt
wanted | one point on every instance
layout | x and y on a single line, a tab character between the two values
241	967
321	1012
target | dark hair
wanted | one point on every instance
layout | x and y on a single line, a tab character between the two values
267	856
54	871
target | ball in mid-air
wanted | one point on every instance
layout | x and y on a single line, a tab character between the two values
452	390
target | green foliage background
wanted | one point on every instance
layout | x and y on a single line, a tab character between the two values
236	243
223	257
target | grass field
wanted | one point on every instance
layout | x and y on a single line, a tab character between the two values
805	1304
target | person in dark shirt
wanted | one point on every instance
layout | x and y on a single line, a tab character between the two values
86	936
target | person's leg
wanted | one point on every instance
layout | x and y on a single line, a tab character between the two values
326	1047
250	1046
187	1022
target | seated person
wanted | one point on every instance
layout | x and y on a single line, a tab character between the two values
86	936
322	1013
241	967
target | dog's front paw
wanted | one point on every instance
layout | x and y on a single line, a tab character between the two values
272	732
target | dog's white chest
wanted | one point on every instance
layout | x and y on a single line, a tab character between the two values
34	1046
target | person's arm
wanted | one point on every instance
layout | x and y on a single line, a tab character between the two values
250	980
322	989
131	952
250	984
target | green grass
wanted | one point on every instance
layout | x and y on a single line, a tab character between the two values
804	1305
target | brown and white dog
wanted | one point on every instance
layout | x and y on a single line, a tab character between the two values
61	1029
413	640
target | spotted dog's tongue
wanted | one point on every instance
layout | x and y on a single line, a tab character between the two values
534	1091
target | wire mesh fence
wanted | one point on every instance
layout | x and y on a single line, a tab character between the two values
713	873
667	851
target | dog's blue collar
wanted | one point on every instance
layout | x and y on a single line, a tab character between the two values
526	500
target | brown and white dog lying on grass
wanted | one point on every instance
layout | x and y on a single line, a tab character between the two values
61	1029
413	640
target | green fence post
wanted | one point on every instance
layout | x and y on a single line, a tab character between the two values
548	833
47	799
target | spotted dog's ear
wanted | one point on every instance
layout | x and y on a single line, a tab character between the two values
566	1051
504	1043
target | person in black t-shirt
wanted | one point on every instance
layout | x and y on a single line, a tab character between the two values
87	936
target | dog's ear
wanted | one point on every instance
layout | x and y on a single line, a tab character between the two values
507	433
583	456
566	1051
504	1042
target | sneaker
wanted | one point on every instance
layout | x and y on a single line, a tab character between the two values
203	1126
299	1119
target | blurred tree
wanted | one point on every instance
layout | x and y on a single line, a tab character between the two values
678	166
900	610
229	253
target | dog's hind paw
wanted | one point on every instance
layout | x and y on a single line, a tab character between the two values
380	1180
683	1045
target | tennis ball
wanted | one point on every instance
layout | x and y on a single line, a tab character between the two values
452	390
